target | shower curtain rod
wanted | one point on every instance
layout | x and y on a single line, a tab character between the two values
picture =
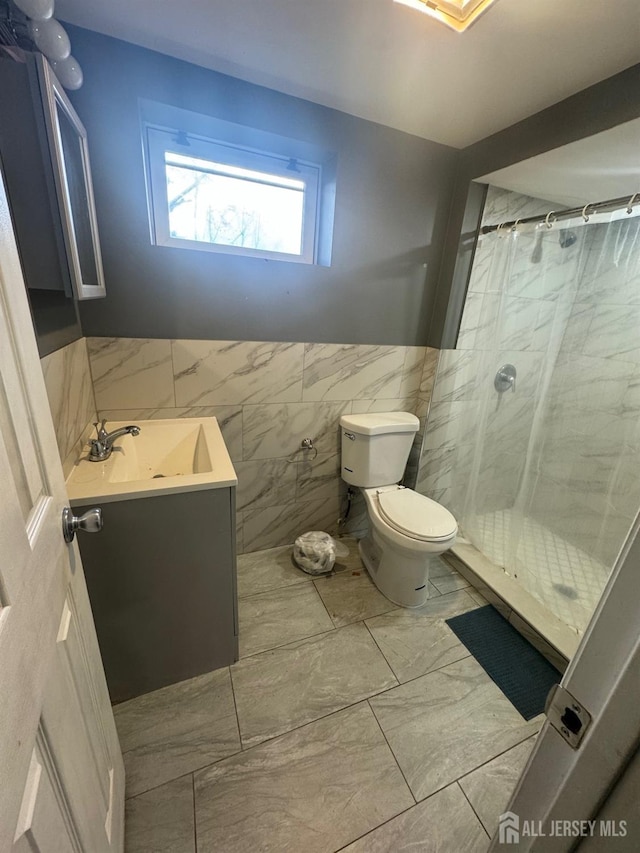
585	212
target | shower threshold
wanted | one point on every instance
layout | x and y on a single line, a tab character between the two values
555	639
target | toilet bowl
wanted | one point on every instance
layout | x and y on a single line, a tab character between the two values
407	530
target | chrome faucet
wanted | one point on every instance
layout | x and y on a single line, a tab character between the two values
102	446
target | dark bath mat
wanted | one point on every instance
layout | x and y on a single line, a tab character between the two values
520	671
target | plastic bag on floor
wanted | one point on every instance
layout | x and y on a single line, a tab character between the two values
315	552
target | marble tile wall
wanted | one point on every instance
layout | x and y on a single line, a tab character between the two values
67	377
511	316
267	398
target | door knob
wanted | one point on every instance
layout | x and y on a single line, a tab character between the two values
90	522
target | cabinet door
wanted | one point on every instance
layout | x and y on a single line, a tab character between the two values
69	152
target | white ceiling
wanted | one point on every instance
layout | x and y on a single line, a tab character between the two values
386	62
600	167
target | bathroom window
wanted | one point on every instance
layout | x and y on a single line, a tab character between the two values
216	196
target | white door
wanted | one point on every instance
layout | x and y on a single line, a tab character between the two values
61	772
561	783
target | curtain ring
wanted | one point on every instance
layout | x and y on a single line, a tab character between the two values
631	202
546	219
584	213
514	227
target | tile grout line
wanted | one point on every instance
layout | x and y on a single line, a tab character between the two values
282	645
242	751
380	650
235	708
262	743
298	582
255	746
173	372
375	828
357	621
499	755
339	710
195	830
464	794
339	627
325	607
393	754
310	579
169	781
357	702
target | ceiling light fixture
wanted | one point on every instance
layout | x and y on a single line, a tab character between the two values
457	14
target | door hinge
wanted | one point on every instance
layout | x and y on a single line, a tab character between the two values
567	715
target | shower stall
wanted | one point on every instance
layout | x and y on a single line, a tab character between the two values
533	433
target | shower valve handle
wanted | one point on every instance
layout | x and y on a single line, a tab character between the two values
505	378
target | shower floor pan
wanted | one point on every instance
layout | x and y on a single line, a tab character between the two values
560	575
563	582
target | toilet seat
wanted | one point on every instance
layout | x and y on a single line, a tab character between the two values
415	515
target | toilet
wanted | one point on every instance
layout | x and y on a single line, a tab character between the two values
407	530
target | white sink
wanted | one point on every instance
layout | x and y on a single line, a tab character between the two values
177	455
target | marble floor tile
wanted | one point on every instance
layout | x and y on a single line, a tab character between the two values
352	562
444	823
351	595
280	616
445	724
434	592
177	729
445	579
489	788
262	571
315	790
439	568
418	641
161	821
281	689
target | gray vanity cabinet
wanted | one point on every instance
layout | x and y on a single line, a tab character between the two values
162	582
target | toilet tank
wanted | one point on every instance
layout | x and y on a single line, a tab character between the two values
375	447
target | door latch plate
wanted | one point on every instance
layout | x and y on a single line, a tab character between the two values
566	715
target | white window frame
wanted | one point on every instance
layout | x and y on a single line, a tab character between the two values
158	141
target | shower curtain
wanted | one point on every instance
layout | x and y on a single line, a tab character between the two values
551	481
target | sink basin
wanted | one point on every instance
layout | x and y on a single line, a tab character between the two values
181	454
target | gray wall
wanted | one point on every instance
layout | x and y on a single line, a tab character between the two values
598	108
392	206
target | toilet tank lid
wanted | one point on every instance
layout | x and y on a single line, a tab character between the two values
377	423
